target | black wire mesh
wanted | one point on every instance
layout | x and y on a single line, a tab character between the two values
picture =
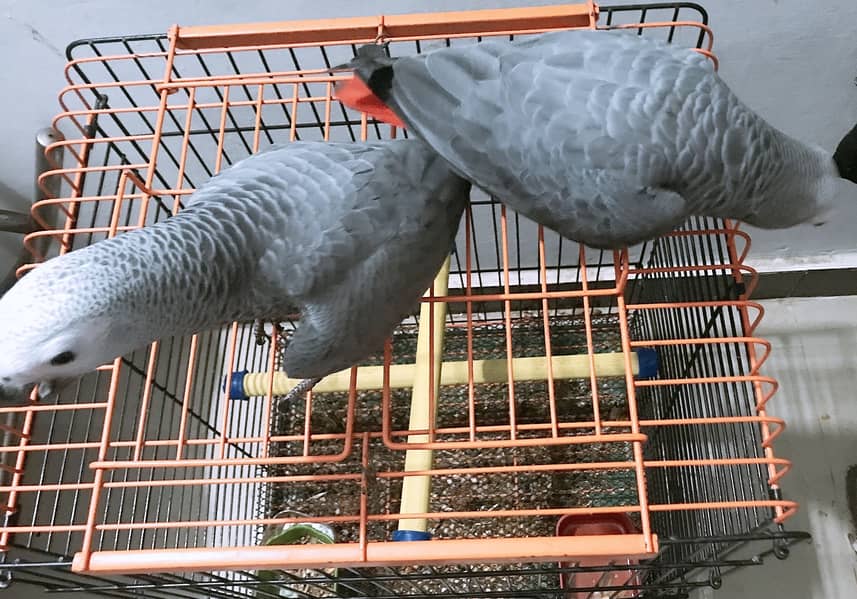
697	548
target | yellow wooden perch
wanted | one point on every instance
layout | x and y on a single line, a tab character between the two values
416	490
371	378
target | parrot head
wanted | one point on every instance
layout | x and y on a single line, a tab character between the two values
845	156
55	324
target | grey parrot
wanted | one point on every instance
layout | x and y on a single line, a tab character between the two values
606	137
351	234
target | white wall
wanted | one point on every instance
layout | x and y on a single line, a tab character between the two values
792	60
815	360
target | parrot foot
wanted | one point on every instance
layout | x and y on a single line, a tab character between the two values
300	389
259	331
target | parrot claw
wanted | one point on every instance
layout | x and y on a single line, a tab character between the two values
259	332
301	388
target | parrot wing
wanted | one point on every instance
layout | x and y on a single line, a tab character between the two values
543	121
365	228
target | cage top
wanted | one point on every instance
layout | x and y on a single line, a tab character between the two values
405	27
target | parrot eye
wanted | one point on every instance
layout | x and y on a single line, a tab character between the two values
62	358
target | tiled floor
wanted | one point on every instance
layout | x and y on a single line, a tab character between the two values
815	359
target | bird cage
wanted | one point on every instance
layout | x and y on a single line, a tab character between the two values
552	421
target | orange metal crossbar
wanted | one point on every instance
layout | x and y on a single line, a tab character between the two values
409	26
442	552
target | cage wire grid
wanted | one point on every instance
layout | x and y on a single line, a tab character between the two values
146	477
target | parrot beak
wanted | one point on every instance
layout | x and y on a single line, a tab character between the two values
13	397
52	387
46	388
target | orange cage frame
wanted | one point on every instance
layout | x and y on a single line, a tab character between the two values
176	95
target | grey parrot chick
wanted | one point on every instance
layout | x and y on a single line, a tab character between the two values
351	234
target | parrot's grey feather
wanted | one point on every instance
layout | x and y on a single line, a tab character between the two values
330	338
351	234
368	251
555	124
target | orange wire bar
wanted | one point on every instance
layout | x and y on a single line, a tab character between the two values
389	27
449	552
